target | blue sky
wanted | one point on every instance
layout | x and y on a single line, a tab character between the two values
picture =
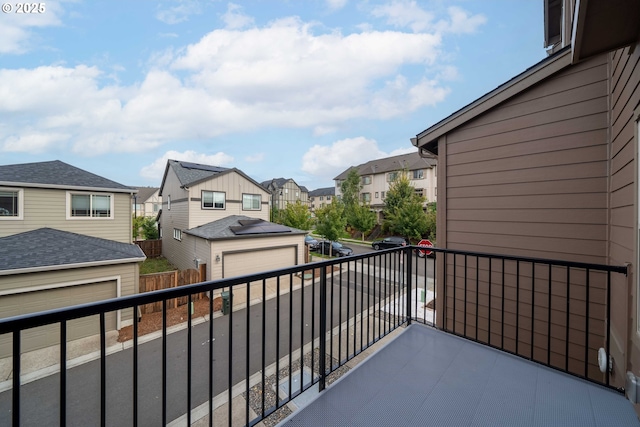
277	88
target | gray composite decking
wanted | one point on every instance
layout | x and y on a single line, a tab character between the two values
426	377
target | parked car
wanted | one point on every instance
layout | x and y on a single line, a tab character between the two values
389	242
311	242
338	248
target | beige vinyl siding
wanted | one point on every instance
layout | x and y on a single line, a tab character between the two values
222	247
172	249
257	261
48	208
233	185
289	190
624	95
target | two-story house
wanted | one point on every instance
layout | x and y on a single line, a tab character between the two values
320	197
65	239
147	202
546	164
220	216
284	191
377	175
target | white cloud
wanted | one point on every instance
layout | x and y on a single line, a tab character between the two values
336	4
234	19
327	162
178	13
409	14
255	158
156	169
33	142
17	31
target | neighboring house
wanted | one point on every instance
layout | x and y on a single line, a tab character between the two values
147	202
321	197
65	239
284	191
220	216
546	165
377	175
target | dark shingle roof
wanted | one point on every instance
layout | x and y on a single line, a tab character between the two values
56	174
193	173
48	247
144	193
276	183
327	191
411	161
221	229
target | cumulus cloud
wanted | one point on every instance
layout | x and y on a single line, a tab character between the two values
336	4
254	158
156	169
326	162
178	12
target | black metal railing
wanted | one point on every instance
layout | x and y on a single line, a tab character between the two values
287	330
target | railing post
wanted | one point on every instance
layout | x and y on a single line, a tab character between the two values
323	327
409	269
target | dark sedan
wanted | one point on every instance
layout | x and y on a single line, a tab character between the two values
389	242
337	249
311	242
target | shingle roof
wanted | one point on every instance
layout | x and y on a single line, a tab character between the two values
221	229
56	174
144	193
326	191
411	161
193	173
48	247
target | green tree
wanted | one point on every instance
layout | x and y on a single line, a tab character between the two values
403	210
274	215
362	219
330	221
350	189
431	222
296	215
144	227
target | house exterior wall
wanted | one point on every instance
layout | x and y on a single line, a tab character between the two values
291	193
222	247
233	185
147	206
624	99
529	178
174	217
49	208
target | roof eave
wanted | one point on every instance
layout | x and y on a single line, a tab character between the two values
427	140
67	187
46	268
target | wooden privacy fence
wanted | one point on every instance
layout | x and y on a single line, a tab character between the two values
171	279
151	248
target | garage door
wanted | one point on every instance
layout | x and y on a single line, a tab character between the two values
44	336
257	261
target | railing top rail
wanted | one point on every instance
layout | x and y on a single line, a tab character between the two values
562	263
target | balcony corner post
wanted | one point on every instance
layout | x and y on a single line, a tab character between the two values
409	265
322	369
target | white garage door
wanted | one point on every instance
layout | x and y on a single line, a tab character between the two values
257	261
44	336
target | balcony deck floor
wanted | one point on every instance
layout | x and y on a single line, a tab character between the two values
426	377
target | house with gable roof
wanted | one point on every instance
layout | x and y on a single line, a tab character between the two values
220	217
146	202
284	191
65	239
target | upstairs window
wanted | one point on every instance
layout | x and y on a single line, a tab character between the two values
366	180
392	176
418	174
87	205
11	203
251	202
213	200
366	197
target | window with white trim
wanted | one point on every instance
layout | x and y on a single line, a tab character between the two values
392	176
169	202
418	174
177	234
251	202
366	180
11	203
213	200
89	205
366	197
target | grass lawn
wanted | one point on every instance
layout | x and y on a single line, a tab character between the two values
156	265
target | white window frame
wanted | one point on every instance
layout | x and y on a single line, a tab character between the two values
177	234
169	202
259	208
392	176
90	194
20	215
224	201
366	197
421	174
366	180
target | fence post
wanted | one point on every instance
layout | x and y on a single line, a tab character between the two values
409	266
323	327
